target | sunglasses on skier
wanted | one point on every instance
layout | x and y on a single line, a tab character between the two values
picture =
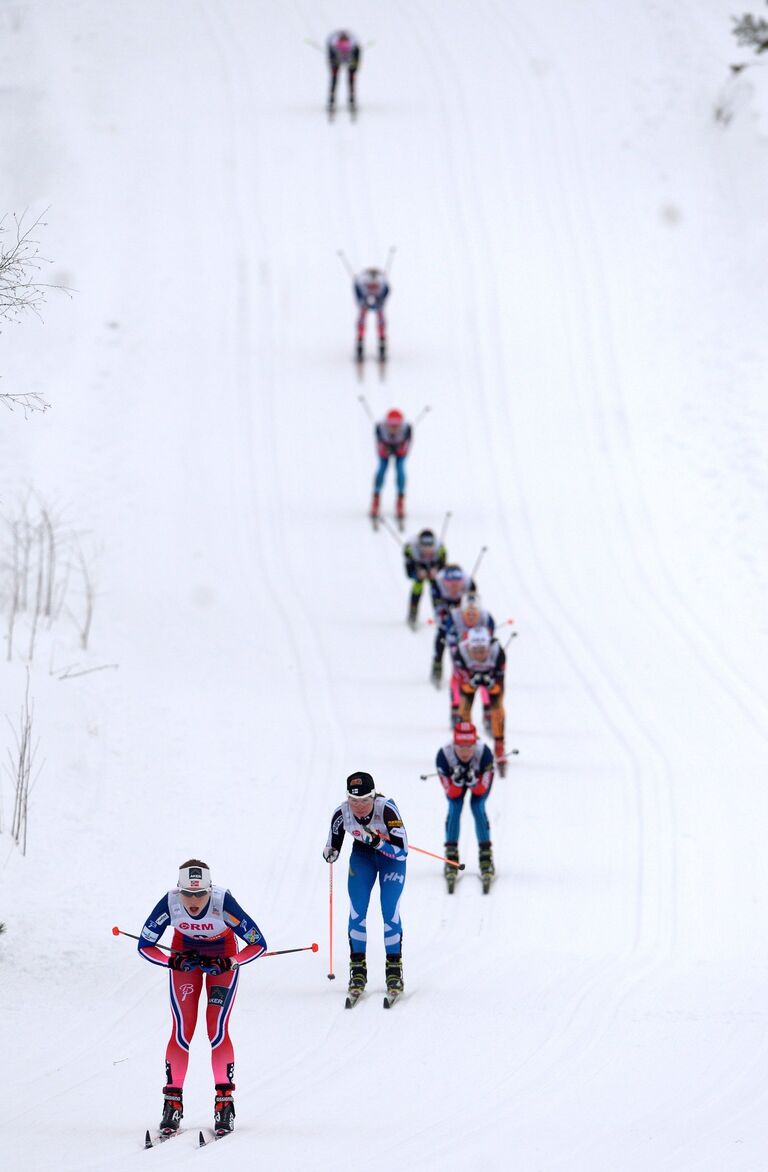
192	894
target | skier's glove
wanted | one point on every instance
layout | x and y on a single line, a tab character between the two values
183	962
216	964
369	837
477	680
330	855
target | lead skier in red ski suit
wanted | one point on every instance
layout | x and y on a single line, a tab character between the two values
206	920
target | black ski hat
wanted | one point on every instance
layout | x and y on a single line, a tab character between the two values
360	785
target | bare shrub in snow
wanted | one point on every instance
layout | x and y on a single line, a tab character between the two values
751	31
21	289
19	767
45	575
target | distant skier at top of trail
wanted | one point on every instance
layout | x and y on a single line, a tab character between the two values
343	49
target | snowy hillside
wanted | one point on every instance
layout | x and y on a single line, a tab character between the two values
577	294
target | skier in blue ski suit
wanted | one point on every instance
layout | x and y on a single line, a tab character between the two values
380	848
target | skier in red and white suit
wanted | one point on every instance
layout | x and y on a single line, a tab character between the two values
206	920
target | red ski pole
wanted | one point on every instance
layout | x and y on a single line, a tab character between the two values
440	858
451	862
331	974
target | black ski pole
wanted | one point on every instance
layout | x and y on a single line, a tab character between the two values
278	952
424	411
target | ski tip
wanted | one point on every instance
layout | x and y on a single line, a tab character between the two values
148	1140
200	1139
386	1002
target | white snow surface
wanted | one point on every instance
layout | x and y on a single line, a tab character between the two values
578	293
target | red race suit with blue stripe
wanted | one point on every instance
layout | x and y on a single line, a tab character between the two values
211	933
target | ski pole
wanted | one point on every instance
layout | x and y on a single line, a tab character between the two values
480	556
390	530
411	847
509	640
285	951
444	529
331	974
425	776
364	404
343	258
313	44
390	258
279	952
119	932
440	858
421	415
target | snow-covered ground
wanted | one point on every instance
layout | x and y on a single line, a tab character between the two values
577	293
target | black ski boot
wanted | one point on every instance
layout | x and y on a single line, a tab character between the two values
358	972
394	973
451	873
436	675
413	612
487	871
382	350
224	1109
172	1110
359	350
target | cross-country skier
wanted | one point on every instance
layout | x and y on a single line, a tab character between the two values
464	618
466	766
392	436
205	920
342	50
371	291
480	662
380	848
424	558
446	588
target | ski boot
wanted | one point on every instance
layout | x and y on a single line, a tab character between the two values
224	1109
400	510
413	610
436	675
500	756
374	513
359	350
382	349
487	872
173	1110
451	873
394	973
358	976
